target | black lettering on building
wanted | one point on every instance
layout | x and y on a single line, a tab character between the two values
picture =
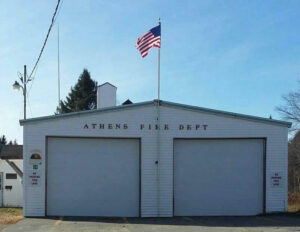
101	126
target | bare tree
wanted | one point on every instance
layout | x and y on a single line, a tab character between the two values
294	164
291	110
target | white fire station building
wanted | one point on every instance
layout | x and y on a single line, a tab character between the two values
153	159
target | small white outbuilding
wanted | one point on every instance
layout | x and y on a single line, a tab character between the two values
153	159
11	176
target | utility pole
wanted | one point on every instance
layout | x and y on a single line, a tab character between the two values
17	86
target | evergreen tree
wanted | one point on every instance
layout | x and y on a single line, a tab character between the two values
3	140
82	95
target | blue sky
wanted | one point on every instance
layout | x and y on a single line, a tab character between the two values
238	56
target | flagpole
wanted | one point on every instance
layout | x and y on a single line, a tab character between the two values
158	68
58	70
158	131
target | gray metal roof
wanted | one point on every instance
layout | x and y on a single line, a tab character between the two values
11	152
58	116
163	103
108	84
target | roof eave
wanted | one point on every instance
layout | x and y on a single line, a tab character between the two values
114	108
230	114
11	157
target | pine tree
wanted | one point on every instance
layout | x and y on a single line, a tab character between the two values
3	140
82	95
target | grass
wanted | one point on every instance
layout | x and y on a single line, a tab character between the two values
294	203
293	208
10	215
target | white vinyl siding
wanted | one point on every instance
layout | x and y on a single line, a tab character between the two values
12	196
157	180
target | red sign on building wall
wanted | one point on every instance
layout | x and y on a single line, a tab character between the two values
276	180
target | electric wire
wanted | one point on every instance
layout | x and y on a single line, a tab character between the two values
34	70
45	41
29	106
31	83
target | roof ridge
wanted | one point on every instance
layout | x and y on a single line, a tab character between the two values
167	103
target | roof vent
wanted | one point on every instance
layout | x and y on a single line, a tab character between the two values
127	102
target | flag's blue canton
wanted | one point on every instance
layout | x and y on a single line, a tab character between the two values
156	31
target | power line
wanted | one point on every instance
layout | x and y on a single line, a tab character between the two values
62	1
48	33
34	71
32	80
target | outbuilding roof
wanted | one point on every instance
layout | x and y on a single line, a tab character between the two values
107	83
162	103
11	152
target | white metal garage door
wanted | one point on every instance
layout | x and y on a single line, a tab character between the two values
218	177
93	177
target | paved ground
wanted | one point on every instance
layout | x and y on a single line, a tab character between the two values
178	224
2	226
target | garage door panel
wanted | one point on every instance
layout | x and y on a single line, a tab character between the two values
218	177
93	177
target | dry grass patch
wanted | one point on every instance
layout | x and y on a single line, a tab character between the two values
10	215
294	202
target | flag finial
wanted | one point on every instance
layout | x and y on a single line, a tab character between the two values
158	21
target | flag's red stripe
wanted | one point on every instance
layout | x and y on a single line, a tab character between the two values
146	41
147	44
153	41
144	37
145	52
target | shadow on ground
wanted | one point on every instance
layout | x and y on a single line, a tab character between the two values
228	221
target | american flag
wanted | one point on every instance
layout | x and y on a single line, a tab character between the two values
149	40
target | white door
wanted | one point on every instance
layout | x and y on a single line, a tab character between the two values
218	177
1	189
93	177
